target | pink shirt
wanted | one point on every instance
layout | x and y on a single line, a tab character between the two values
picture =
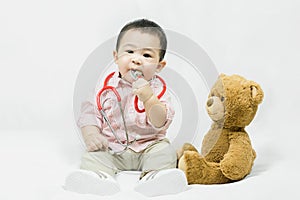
138	125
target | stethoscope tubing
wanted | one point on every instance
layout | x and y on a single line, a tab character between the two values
113	89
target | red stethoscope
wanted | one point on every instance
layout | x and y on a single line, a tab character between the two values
113	89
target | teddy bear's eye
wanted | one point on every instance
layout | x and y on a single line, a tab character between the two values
222	98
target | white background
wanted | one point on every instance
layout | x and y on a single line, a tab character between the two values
44	43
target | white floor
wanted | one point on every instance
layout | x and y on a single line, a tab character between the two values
34	165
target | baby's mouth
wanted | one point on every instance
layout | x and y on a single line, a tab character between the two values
136	74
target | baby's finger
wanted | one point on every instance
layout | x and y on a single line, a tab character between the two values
102	144
105	144
137	92
139	83
92	147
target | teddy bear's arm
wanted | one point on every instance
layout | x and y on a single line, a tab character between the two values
238	161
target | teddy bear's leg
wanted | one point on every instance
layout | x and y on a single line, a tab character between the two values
199	171
238	161
185	147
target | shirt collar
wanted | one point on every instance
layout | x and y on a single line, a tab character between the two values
116	80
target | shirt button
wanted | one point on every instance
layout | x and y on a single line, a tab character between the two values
131	110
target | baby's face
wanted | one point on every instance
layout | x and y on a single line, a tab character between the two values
138	52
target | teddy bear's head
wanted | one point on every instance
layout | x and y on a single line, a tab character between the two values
233	101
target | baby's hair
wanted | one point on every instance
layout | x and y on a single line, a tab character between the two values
146	26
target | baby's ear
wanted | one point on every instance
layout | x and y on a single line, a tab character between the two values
257	93
115	55
160	66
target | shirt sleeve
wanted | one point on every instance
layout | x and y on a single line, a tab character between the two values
89	114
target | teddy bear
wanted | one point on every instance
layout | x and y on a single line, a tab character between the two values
226	153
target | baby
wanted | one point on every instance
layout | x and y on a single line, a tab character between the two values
138	144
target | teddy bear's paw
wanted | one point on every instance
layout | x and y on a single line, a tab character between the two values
185	147
233	170
192	164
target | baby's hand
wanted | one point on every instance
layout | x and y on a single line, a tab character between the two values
95	142
142	89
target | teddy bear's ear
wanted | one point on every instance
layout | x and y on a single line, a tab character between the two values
257	93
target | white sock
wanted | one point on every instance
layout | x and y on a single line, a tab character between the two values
88	182
168	181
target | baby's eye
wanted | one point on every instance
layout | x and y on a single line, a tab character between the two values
147	55
222	98
129	51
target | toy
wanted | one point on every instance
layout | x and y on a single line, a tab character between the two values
226	154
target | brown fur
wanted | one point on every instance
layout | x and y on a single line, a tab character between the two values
226	154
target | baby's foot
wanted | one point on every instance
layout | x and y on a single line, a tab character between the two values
168	181
88	182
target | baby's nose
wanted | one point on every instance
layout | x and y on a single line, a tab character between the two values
136	60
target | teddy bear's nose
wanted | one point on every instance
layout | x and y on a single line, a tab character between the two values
209	102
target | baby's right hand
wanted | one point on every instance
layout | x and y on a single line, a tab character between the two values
93	139
95	142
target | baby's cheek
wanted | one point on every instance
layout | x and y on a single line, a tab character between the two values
149	72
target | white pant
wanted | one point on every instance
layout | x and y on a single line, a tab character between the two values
157	156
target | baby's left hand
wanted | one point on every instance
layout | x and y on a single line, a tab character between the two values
142	89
